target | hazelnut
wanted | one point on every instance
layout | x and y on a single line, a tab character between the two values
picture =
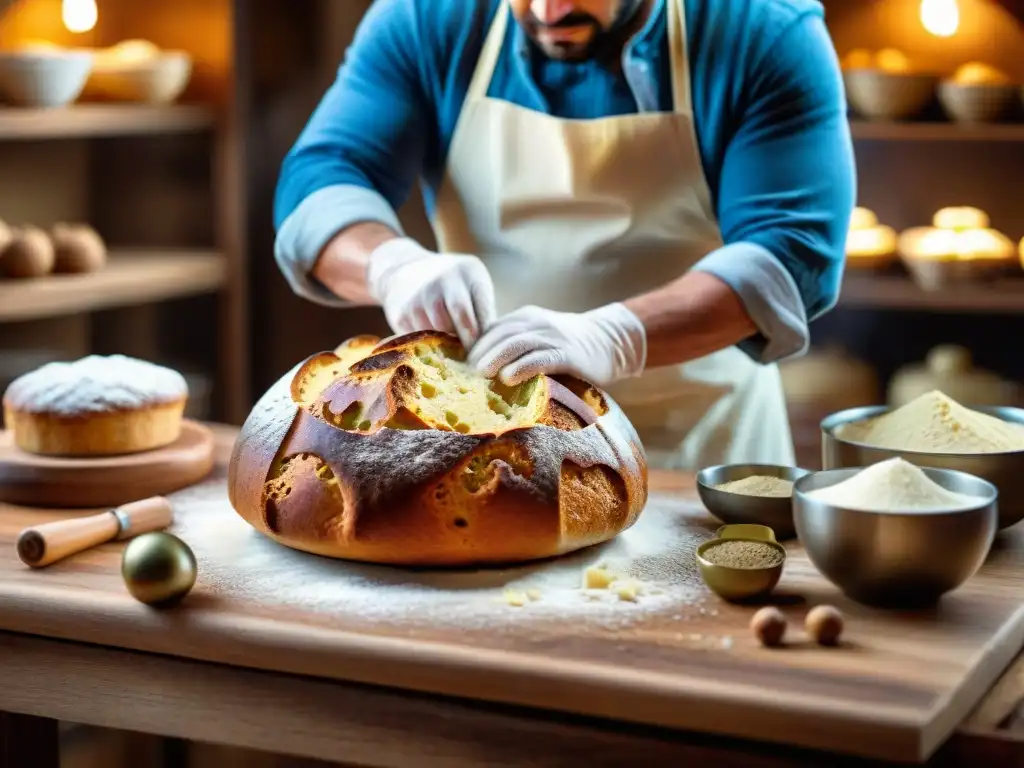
769	626
28	254
78	248
824	624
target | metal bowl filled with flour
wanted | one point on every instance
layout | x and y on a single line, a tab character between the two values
846	441
751	493
894	534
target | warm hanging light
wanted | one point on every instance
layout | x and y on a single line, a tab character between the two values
940	17
79	15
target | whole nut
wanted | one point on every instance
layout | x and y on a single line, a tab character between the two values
28	254
824	623
769	626
78	248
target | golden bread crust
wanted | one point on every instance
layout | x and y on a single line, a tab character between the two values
111	433
345	456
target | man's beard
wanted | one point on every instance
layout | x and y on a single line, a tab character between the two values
595	43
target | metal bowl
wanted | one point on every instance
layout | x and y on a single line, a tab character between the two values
1004	470
896	559
735	508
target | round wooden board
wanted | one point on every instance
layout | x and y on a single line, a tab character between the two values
44	481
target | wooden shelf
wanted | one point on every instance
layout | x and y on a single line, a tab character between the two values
865	130
130	278
898	292
98	120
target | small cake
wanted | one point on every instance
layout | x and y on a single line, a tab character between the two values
95	406
959	246
869	244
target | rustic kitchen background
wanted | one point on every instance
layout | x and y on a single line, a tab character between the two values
181	192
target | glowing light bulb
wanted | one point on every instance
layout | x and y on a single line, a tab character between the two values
940	17
79	15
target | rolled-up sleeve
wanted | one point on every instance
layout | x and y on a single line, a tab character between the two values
787	190
358	156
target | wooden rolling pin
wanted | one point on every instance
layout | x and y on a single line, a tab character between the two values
50	542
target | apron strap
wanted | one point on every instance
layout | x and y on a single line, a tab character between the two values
678	63
489	55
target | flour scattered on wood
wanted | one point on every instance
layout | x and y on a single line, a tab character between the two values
650	569
894	485
935	423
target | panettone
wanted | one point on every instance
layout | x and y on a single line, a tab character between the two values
96	406
398	452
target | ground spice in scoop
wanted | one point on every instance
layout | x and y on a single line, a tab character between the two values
743	554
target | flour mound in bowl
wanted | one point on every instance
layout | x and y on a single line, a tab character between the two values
935	423
894	485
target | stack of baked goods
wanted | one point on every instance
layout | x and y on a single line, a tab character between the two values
139	71
95	406
30	251
869	245
399	452
959	246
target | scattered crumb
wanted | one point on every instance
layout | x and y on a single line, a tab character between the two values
626	590
598	577
515	598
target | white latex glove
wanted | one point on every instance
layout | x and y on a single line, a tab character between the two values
422	290
601	346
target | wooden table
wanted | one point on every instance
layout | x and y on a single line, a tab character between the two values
46	680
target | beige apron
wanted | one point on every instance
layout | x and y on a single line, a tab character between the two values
573	214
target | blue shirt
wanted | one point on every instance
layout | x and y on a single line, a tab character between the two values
769	113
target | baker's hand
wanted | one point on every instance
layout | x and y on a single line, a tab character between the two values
422	290
600	346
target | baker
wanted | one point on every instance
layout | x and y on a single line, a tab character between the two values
653	195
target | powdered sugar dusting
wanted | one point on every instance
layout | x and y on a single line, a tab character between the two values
95	384
238	563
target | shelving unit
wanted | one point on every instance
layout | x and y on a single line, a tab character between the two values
87	121
167	193
900	292
865	130
130	278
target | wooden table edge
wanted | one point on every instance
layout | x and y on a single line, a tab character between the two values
322	719
435	669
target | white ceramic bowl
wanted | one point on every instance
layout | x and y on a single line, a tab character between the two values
878	95
976	103
43	78
159	80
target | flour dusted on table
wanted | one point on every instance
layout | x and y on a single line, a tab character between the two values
935	423
892	486
653	563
